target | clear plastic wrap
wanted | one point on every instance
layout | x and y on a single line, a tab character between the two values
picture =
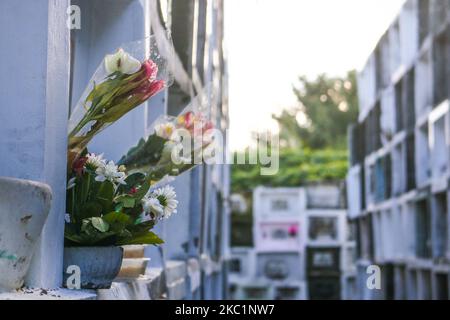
175	145
124	80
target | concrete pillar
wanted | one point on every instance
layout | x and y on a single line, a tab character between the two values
34	90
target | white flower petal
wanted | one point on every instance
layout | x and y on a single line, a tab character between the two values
95	161
113	61
71	183
165	130
170	203
100	178
130	65
121	61
152	205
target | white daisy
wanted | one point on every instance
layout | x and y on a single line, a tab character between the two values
110	172
166	196
152	205
160	203
95	161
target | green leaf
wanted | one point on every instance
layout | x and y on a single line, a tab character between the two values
90	209
86	185
103	239
127	201
148	238
143	190
118	207
134	213
74	238
105	195
118	109
106	191
125	233
141	228
88	235
117	218
132	151
145	153
135	179
132	181
100	224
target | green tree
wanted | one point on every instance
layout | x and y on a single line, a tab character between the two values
296	167
327	105
313	150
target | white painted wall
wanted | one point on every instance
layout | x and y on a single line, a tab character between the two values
34	86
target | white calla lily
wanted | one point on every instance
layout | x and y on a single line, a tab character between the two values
121	61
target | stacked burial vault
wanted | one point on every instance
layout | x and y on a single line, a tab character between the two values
301	246
397	183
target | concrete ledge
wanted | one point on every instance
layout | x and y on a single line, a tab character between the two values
176	290
146	287
49	294
157	286
175	278
173	282
175	270
133	289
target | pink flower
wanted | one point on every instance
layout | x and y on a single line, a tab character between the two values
148	89
186	120
149	70
208	126
153	89
293	230
202	126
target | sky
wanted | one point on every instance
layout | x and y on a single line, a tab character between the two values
270	43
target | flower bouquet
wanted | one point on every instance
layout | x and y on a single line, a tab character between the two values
123	81
111	205
177	144
106	207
